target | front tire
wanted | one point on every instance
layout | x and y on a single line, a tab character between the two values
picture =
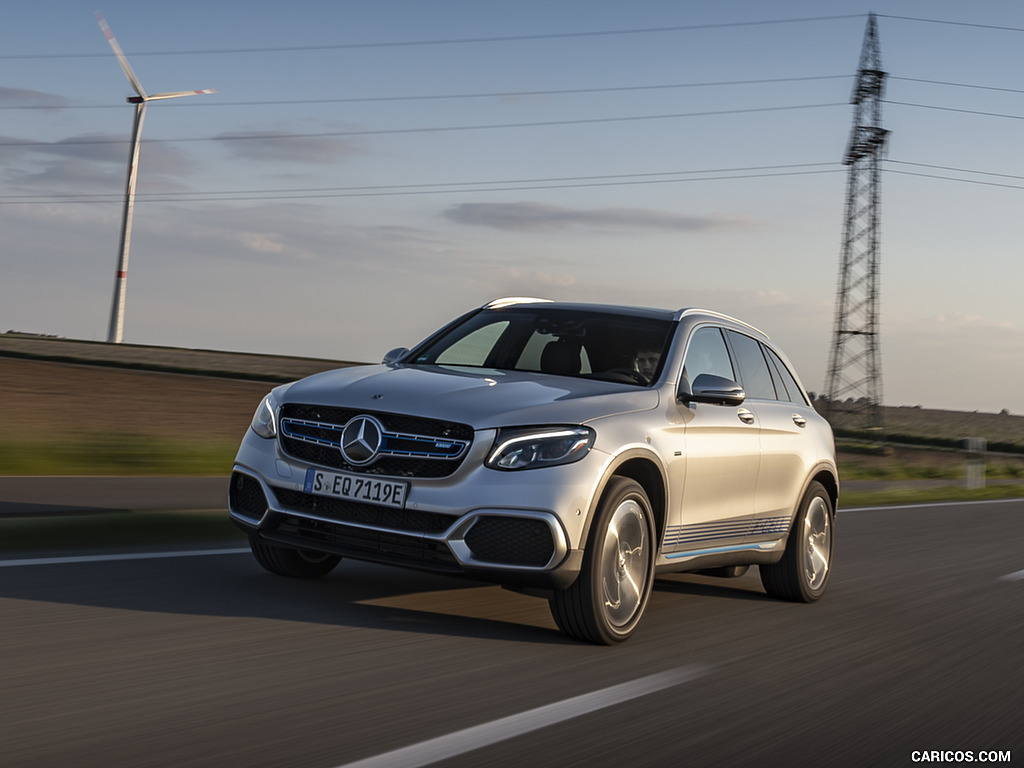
805	569
606	602
288	561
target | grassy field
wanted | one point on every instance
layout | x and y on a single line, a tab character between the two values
955	425
99	409
65	419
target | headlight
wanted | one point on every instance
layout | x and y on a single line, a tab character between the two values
264	421
536	447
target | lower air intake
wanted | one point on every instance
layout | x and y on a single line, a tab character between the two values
511	541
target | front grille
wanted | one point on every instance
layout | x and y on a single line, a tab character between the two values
511	541
245	496
414	447
343	511
360	543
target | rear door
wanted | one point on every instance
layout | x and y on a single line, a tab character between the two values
782	415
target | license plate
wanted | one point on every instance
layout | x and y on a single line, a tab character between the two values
370	490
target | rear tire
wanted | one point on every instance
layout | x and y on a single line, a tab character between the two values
288	561
804	570
606	602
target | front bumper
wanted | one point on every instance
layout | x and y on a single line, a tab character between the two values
440	529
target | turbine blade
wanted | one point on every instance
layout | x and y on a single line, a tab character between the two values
176	94
120	56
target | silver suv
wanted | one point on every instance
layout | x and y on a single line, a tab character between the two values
571	451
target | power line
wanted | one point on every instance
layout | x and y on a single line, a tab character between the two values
955	109
494	185
980	182
952	23
442	129
956	85
504	38
444	96
446	41
511	185
504	126
648	174
514	94
957	170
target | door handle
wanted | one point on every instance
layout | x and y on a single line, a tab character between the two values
799	420
747	417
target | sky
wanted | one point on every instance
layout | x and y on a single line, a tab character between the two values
367	171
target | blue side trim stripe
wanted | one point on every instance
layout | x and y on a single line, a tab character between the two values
679	535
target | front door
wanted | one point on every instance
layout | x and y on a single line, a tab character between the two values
721	459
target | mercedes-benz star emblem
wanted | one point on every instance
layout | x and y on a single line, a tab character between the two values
361	440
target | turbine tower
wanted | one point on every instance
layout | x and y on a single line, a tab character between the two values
854	386
116	332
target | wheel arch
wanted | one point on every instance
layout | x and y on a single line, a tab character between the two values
830	482
643	467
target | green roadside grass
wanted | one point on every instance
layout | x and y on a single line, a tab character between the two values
114	454
92	454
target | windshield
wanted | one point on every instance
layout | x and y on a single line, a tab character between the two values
563	342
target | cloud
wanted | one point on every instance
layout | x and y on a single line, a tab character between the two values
91	164
19	97
286	146
261	242
66	178
962	321
539	217
96	147
994	340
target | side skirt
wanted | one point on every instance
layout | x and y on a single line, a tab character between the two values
753	553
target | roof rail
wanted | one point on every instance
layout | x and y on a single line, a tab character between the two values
698	311
510	300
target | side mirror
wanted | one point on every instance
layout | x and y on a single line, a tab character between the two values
395	355
716	390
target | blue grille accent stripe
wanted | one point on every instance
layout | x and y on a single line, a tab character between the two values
392	444
288	427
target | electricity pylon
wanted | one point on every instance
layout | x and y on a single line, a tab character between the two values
854	386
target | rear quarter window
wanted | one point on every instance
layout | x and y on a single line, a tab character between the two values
787	387
754	373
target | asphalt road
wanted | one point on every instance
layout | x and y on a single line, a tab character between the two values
205	660
42	495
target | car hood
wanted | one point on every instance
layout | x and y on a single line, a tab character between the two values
483	398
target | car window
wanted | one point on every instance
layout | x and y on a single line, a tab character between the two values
780	388
789	389
706	353
756	378
531	359
474	348
614	347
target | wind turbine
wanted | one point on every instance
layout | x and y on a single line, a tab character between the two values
116	332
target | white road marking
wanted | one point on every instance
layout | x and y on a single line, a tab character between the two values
893	507
116	558
460	742
1015	576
